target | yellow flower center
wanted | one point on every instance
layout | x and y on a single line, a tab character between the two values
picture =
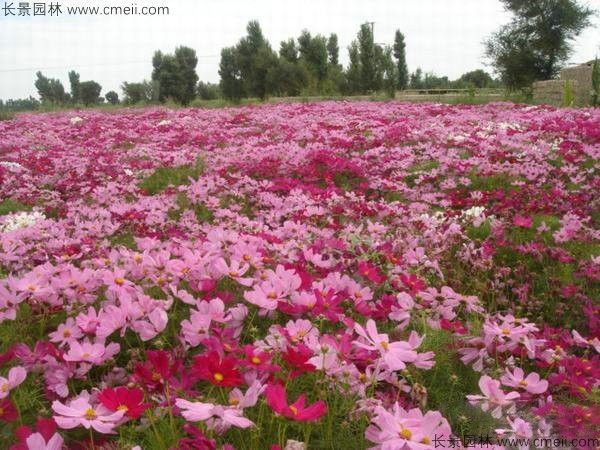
234	274
385	345
218	377
505	331
90	414
85	355
234	401
122	408
405	433
119	281
256	360
426	441
67	333
362	377
246	258
4	387
523	383
138	258
156	376
272	295
294	410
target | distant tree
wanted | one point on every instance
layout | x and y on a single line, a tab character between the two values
287	78
74	82
313	52
176	75
477	78
50	90
254	58
20	104
232	84
368	67
416	79
400	55
208	91
112	97
537	42
333	49
390	73
137	92
186	62
353	84
89	92
288	50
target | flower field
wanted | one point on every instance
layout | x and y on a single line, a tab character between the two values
323	276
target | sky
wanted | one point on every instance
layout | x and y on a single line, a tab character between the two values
442	36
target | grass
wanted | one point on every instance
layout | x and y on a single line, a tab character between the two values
163	177
10	206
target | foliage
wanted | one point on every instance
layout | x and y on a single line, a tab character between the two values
537	42
400	55
50	90
208	91
89	92
596	83
176	75
112	97
568	95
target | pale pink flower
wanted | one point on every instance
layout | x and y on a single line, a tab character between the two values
531	383
394	354
81	411
493	397
16	376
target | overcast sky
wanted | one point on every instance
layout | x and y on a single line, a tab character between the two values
443	36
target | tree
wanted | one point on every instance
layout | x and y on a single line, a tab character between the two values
288	50
400	55
353	72
176	74
89	92
50	90
112	97
232	84
416	79
139	92
254	58
208	91
390	73
313	52
368	67
537	42
74	82
477	78
333	50
186	63
287	78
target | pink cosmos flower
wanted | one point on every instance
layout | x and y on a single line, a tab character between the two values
520	430
521	221
198	412
493	397
90	353
531	383
394	354
82	411
66	332
397	429
16	376
277	400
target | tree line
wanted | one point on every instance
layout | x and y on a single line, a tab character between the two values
534	46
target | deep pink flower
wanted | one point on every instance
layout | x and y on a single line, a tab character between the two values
277	400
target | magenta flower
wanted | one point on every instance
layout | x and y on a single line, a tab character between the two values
277	400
